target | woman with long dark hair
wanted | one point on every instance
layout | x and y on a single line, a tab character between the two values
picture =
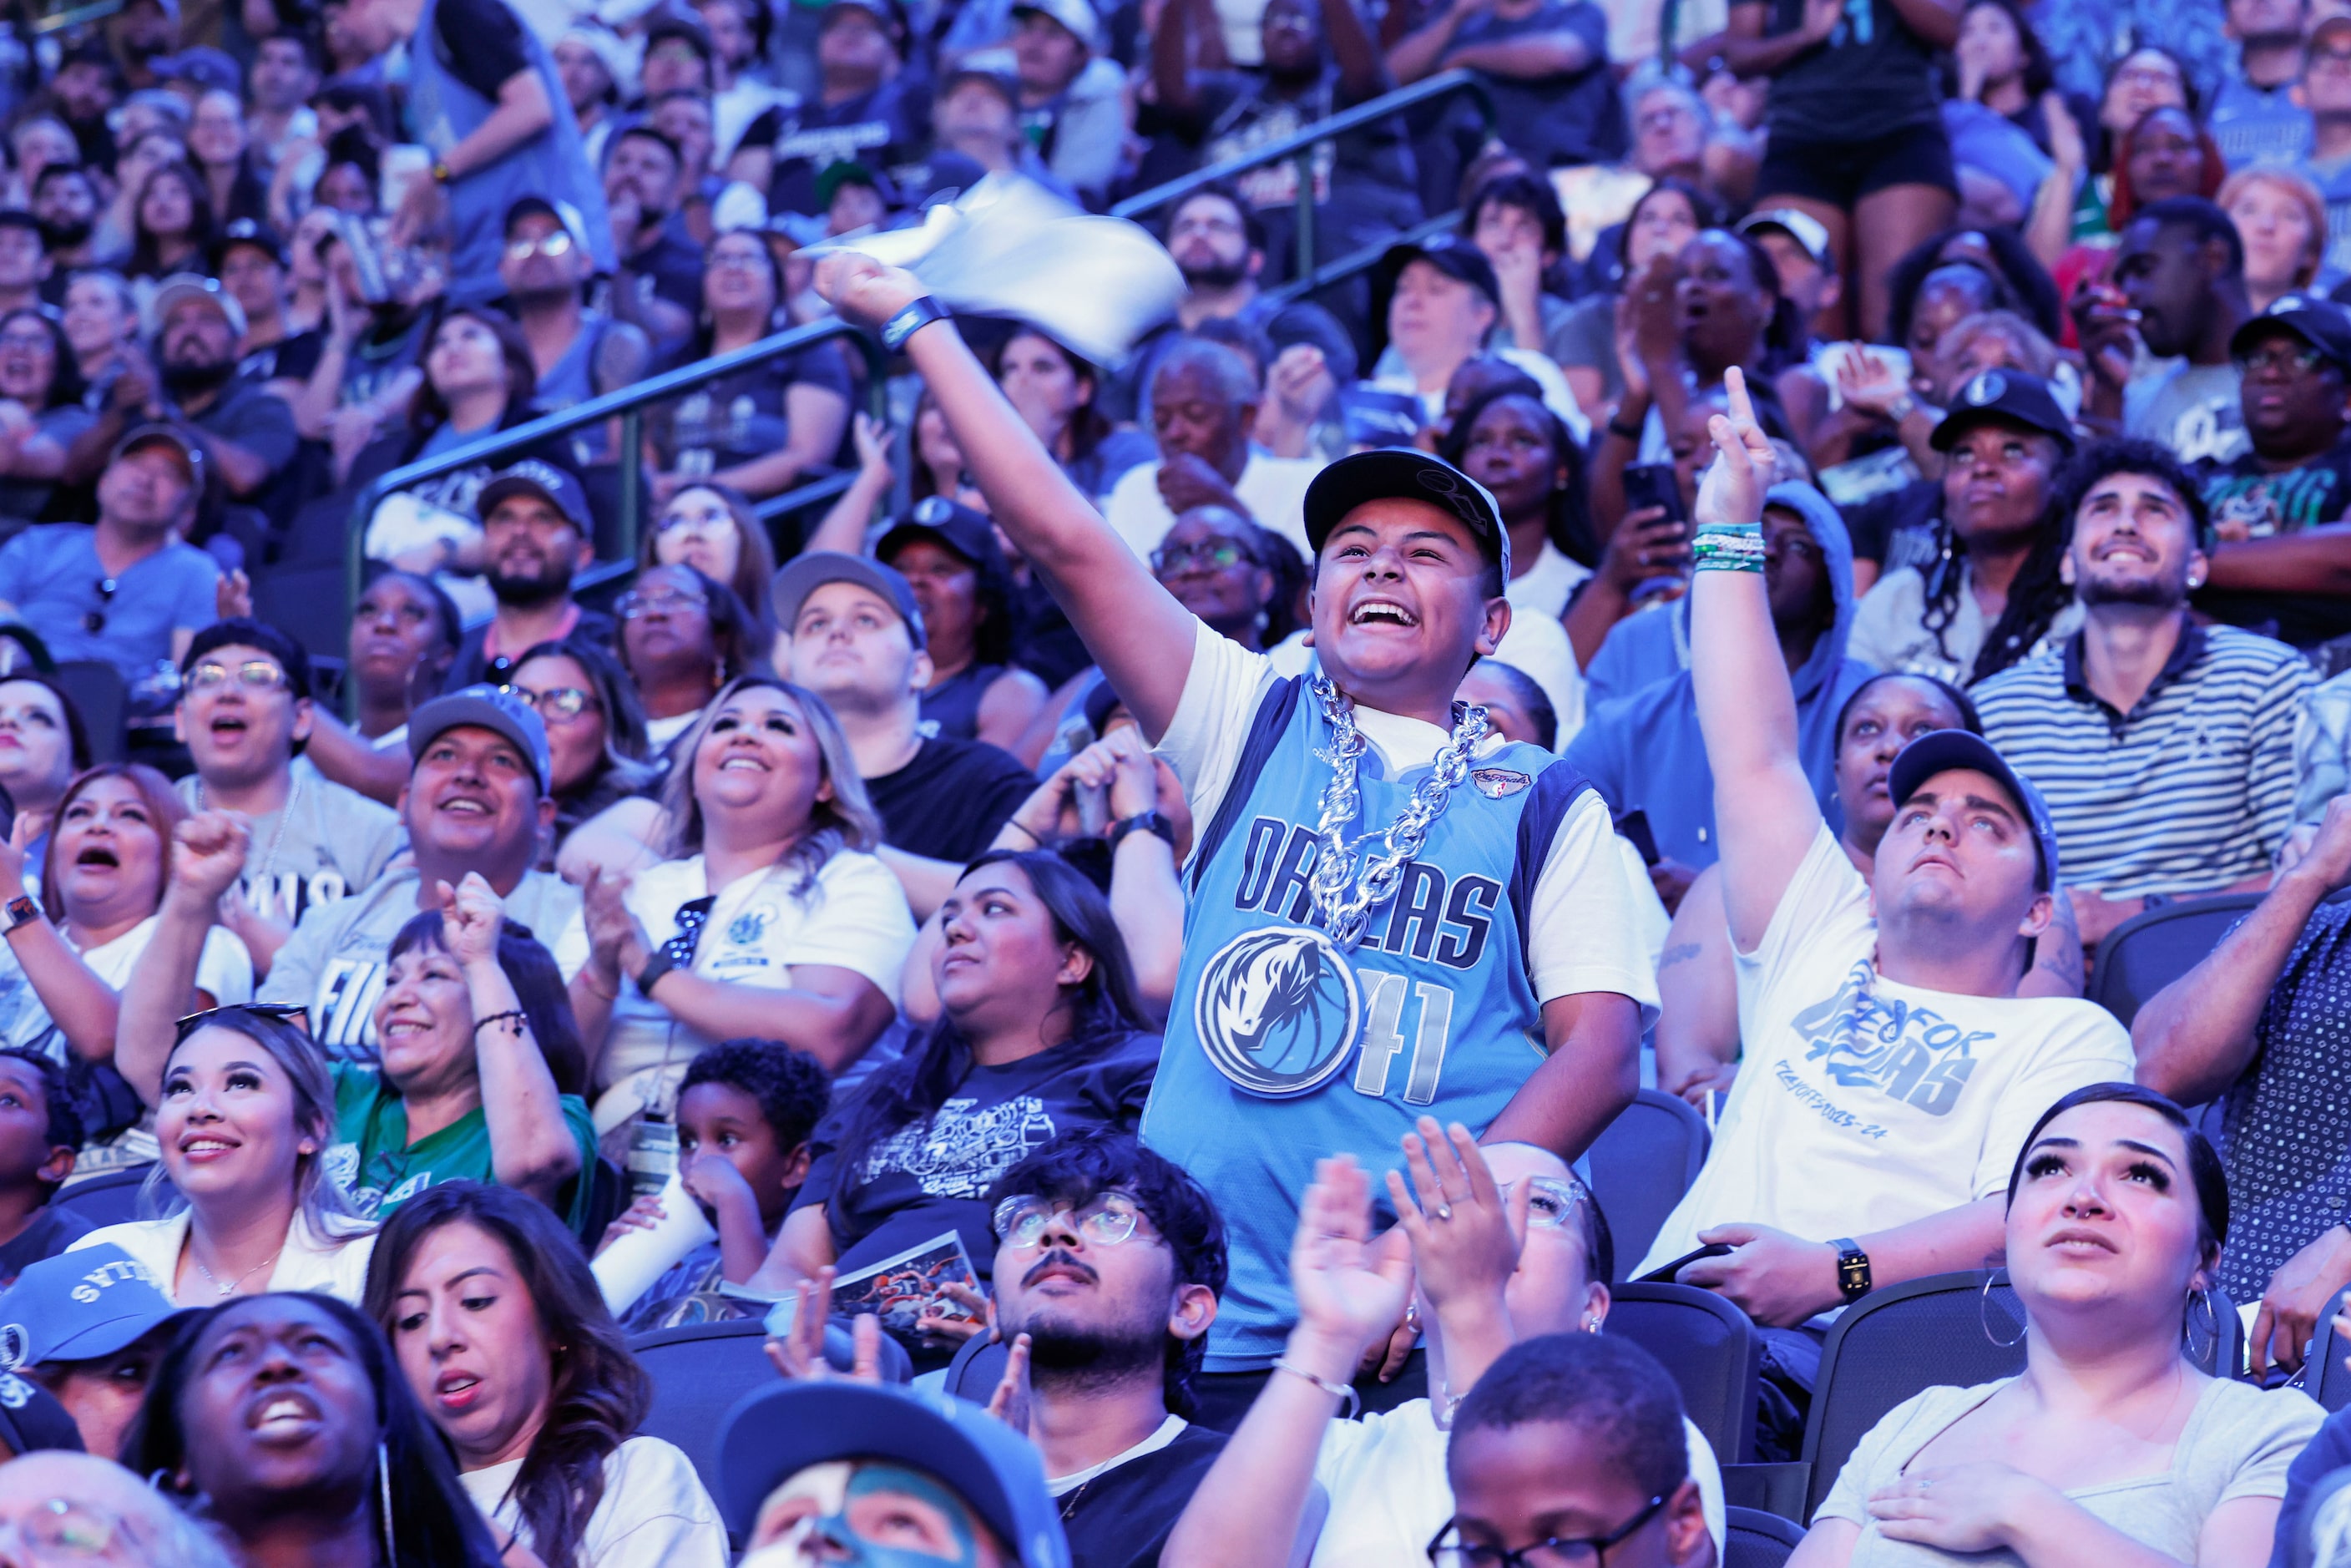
2113	1445
595	732
40	412
683	636
1056	391
505	1340
172	226
1038	1020
711	528
770	917
283	1419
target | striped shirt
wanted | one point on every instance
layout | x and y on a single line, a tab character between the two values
2190	791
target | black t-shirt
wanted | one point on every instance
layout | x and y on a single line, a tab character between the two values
2267	506
51	1232
1571	119
932	1176
1122	1518
288	359
1902	528
482	43
736	418
885	129
1869	81
948	803
669	268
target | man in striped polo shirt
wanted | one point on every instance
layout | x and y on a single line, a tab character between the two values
2165	749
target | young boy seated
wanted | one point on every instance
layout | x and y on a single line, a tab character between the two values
39	1131
91	1325
744	1110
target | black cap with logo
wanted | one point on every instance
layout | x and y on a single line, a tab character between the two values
2319	322
1407	474
2005	397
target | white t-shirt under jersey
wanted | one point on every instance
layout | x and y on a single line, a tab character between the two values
1272	488
1389	1496
1863	1104
654	1512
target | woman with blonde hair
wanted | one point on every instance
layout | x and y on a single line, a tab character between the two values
2281	220
771	918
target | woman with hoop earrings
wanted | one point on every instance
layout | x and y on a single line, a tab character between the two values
2112	1447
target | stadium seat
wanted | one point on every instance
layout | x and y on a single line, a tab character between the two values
699	1372
608	1194
113	1197
1710	1346
1641	1164
1753	1538
2327	1378
2148	952
100	693
1923	1333
976	1369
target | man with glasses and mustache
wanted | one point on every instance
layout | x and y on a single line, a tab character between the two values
1507	1245
125	588
579	353
536	536
245	716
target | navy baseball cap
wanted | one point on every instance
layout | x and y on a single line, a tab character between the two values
1403	473
776	1432
1450	255
489	708
80	1306
1940	751
2317	321
968	533
530	477
2009	397
811	571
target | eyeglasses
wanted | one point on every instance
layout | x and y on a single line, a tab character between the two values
1022	1220
2299	357
685	522
1213	554
63	1529
254	676
671	601
553	244
1559	1551
1550	1202
565	703
741	260
283	1012
95	622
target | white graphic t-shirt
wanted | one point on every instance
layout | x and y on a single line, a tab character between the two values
325	844
1861	1103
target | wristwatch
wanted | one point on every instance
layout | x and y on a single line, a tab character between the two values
660	964
1852	1268
441	174
1901	408
1151	822
22	911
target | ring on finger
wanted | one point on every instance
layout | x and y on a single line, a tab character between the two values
1443	1211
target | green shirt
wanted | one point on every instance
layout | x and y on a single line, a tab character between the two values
377	1165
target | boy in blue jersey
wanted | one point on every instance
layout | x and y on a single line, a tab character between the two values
1391	911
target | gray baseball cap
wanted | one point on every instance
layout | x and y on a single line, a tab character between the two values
489	708
813	571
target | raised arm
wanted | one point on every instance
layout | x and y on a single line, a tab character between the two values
1134	629
81	1005
1763	804
531	1147
207	853
1362	73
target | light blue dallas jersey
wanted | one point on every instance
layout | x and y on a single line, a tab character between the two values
1281	1050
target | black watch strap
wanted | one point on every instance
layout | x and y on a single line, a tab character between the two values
1852	1268
1151	822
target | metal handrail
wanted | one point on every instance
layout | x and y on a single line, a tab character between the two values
628	403
1302	146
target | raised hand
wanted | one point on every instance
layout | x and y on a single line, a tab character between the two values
208	853
232	596
471	918
15	850
1350	1290
864	290
799	1355
1010	1403
1465	1235
1734	483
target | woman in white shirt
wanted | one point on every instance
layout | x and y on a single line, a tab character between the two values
246	1113
107	861
505	1339
2112	1447
772	918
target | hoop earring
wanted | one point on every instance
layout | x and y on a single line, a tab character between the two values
383	1486
2187	1323
1983	1316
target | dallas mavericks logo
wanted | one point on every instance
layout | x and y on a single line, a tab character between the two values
1276	1011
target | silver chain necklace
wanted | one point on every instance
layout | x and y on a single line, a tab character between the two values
230	1288
1344	894
259	878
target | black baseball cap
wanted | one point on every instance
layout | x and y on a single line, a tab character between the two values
248	232
1390	473
1940	751
2319	322
696	35
811	571
934	517
1450	255
530	477
2007	397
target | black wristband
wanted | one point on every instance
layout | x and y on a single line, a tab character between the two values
1151	822
1630	433
911	320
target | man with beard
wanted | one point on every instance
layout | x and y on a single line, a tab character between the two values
1109	1262
245	716
578	353
2182	269
535	533
284	74
2165	749
657	264
85	87
65	203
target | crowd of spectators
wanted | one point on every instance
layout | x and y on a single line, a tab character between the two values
1758	553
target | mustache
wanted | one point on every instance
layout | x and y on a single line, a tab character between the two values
1057	1259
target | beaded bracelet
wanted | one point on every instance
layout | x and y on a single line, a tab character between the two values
1727	547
